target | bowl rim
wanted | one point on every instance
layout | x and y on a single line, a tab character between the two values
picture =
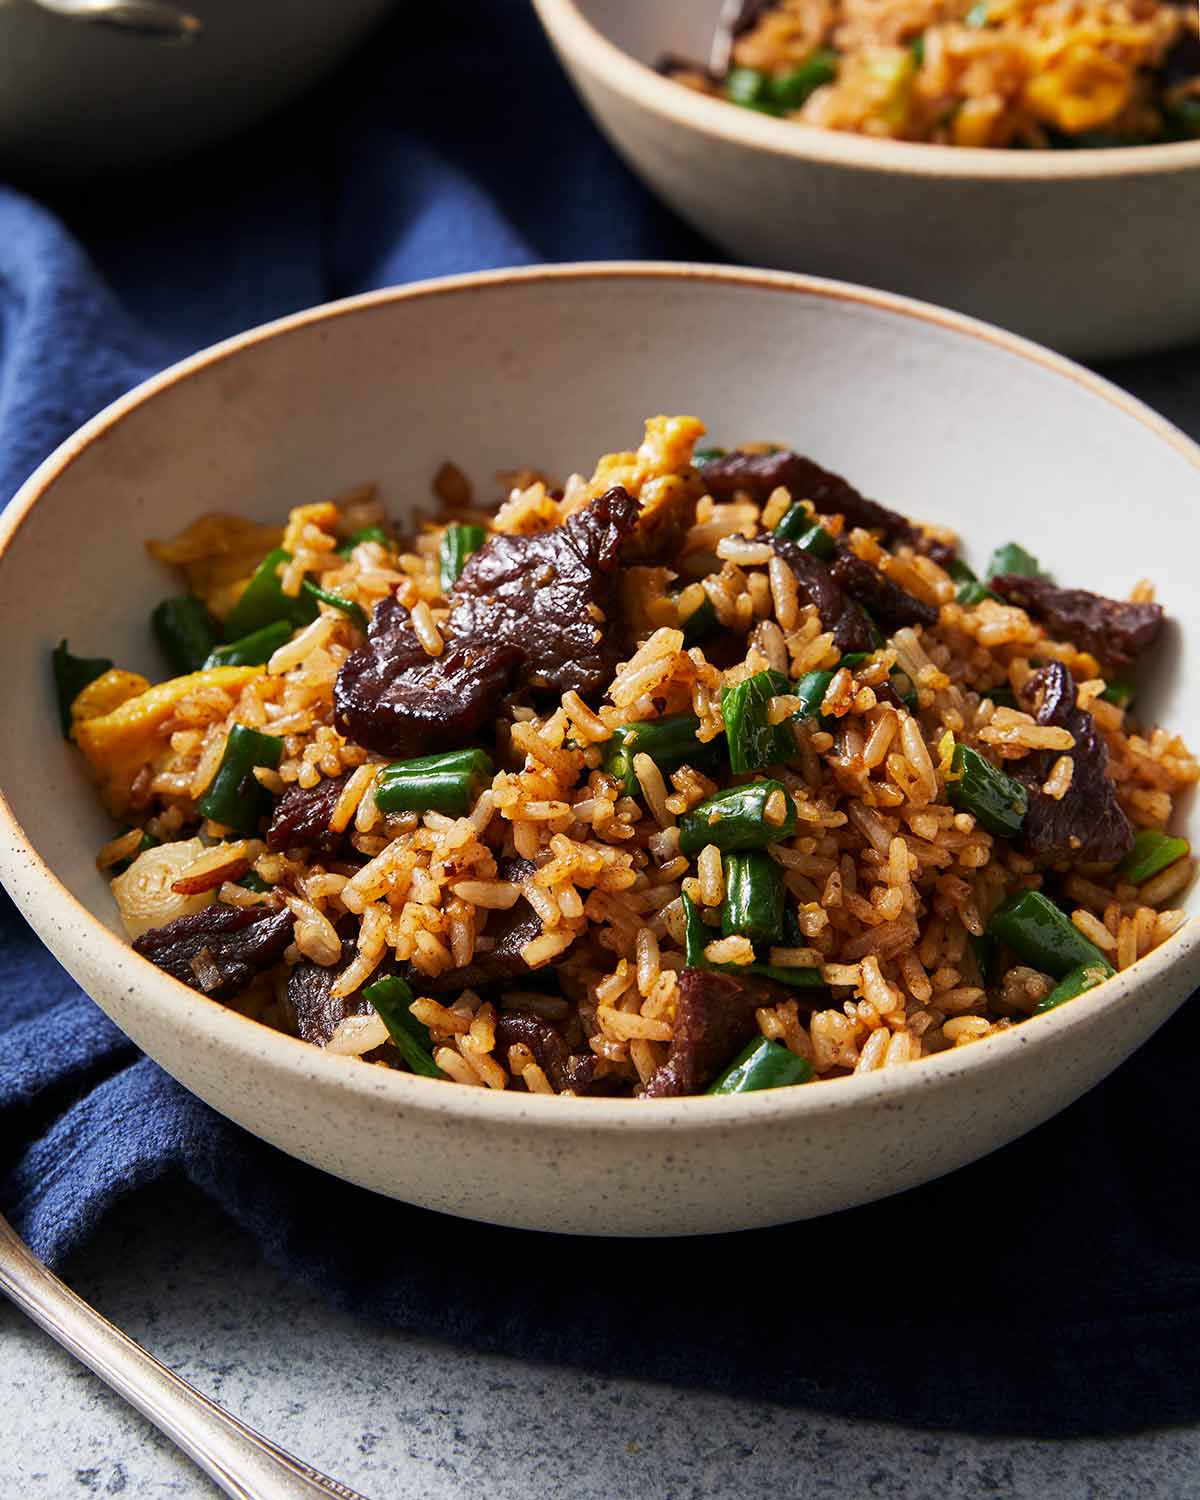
38	892
581	41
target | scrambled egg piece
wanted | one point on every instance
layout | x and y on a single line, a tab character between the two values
108	691
131	735
323	515
658	476
216	555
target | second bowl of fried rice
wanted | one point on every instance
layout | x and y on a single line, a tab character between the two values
501	749
1033	163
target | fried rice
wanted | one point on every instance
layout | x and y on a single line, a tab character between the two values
1015	73
887	885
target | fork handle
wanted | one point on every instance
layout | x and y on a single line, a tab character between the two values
246	1465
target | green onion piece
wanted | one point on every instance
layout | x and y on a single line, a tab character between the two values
1119	690
917	48
251	881
697	933
1077	982
994	799
977	17
263	601
148	842
854	659
704	456
754	897
751	89
391	998
367	534
1043	936
969	590
700	624
447	783
790	90
458	543
736	819
1012	558
355	613
753	742
252	650
71	675
670	743
234	797
1152	853
984	949
1003	696
186	632
763	1064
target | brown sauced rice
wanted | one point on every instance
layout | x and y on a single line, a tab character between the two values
887	882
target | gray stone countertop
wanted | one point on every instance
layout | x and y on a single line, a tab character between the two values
409	1419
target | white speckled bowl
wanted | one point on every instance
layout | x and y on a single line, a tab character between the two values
1092	252
939	416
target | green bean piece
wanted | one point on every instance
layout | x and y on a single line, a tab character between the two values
186	632
263	601
736	819
355	613
1036	930
754	897
704	456
700	624
798	526
1077	982
251	881
458	543
1184	118
1012	558
993	799
367	534
234	797
697	933
762	1064
71	675
448	783
984	949
751	89
392	999
1152	853
148	842
790	90
1118	690
670	743
753	742
252	650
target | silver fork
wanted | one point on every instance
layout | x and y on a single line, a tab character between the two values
242	1462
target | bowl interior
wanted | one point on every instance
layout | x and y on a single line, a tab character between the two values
650	28
939	418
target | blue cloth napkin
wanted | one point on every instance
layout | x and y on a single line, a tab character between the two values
1053	1287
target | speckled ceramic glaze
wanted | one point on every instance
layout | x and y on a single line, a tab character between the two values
1092	252
938	416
